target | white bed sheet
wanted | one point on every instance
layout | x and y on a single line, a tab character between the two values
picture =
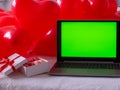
18	81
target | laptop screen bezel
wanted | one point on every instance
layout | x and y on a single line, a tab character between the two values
60	58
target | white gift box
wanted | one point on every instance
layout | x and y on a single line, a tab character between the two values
36	68
18	62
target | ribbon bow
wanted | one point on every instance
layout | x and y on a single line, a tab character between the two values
33	61
7	62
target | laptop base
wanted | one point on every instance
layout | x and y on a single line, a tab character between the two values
86	72
74	70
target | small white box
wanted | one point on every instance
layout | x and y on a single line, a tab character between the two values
38	66
18	62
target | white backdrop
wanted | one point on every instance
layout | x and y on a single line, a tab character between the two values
5	4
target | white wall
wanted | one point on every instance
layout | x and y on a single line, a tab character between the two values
118	2
5	4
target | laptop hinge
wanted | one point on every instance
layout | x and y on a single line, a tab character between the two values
88	62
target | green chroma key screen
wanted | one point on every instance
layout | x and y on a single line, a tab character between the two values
89	39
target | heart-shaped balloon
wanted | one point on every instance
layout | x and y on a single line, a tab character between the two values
85	11
3	14
74	9
69	9
112	7
36	16
7	36
9	12
118	13
14	40
7	20
102	9
1	10
48	44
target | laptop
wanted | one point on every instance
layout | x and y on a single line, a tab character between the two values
88	48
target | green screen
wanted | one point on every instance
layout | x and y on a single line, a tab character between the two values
88	39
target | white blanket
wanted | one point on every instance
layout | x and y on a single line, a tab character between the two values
18	81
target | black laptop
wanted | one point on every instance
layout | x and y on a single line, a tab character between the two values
88	48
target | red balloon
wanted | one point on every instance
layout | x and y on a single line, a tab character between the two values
14	40
116	16
48	44
7	36
1	10
10	12
7	20
74	9
3	14
112	7
69	9
36	16
102	9
85	11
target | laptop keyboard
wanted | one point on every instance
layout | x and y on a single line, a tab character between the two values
90	65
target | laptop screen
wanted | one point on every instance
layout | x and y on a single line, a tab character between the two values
88	39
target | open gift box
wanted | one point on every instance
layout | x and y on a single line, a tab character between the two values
36	66
12	63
